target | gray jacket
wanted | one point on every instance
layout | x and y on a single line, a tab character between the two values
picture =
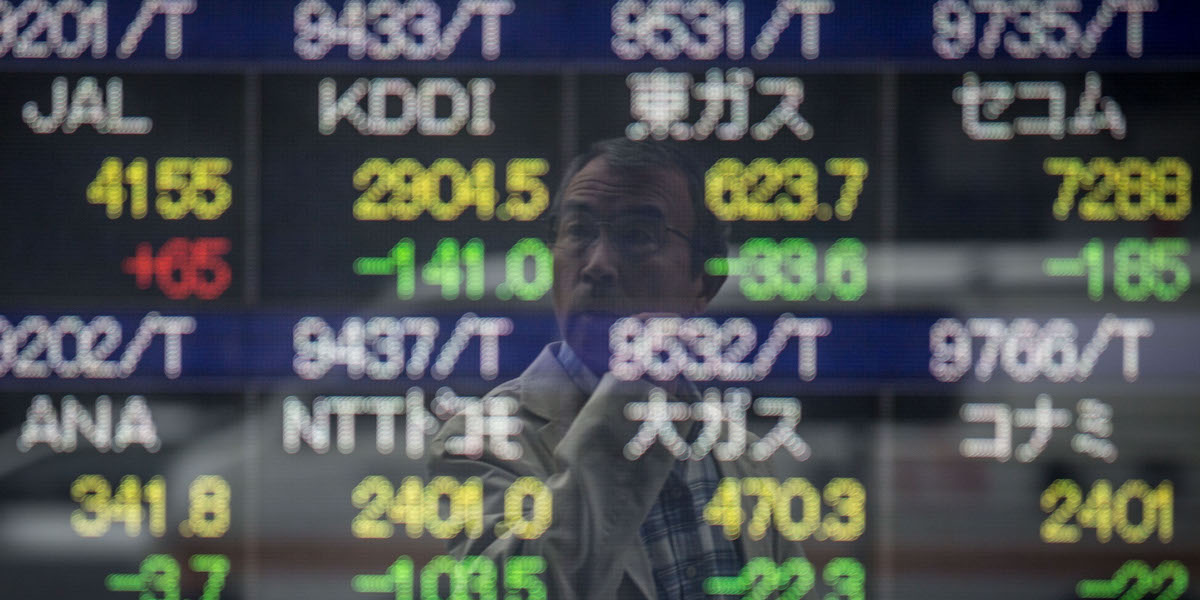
574	444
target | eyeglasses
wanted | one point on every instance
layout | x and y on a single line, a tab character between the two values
634	236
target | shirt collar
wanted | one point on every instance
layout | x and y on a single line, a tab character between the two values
579	373
587	381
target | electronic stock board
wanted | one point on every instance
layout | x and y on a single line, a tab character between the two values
255	254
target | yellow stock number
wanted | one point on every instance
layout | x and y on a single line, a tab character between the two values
182	186
404	189
775	501
1107	511
446	508
208	507
100	506
1131	189
767	190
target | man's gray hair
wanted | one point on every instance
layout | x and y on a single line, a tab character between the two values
710	236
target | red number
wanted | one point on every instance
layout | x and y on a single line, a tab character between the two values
211	274
183	267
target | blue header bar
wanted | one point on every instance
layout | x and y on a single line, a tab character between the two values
788	352
638	32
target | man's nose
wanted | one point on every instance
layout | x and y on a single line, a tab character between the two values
600	262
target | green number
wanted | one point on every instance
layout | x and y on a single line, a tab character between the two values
1093	261
158	577
515	282
798	260
159	573
474	577
1131	273
472	256
442	268
788	270
1140	580
404	259
797	578
479	573
762	576
762	280
846	577
398	580
846	268
1168	253
217	567
1140	269
521	573
442	565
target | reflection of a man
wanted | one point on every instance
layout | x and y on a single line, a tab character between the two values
630	237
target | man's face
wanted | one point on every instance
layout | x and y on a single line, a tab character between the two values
596	283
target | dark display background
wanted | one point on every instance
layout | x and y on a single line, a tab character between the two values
58	246
310	235
956	187
953	228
